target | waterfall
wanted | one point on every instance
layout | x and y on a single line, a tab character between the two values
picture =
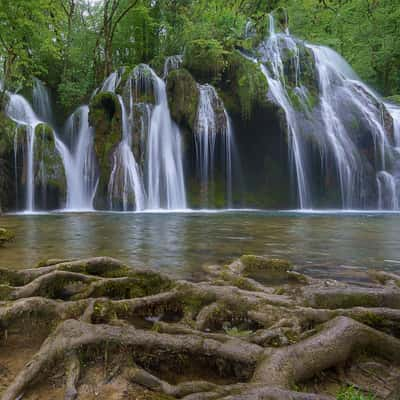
271	53
41	102
113	81
161	182
328	126
395	114
164	165
213	126
20	111
337	139
79	164
125	176
387	191
171	63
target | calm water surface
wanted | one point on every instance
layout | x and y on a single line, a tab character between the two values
325	244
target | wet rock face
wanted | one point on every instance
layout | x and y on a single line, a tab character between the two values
7	132
183	97
106	119
50	180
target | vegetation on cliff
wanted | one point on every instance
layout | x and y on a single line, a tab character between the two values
73	45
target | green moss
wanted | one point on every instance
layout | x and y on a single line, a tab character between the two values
258	263
6	236
345	300
237	332
394	99
246	83
49	169
372	319
205	59
137	284
183	97
105	117
281	17
5	292
351	393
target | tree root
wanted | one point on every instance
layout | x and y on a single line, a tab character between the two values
235	338
334	344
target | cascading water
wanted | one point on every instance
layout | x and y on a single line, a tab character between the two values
41	102
79	164
387	192
213	127
271	53
161	182
171	63
125	176
113	81
164	166
326	123
343	139
20	111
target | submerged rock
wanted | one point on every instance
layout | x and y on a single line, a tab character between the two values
267	269
6	236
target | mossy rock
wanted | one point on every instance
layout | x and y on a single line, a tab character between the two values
106	119
141	127
8	130
6	236
281	17
247	87
205	59
183	97
265	268
139	83
49	168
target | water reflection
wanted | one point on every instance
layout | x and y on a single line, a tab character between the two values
179	243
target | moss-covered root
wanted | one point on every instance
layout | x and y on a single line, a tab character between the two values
199	390
72	335
339	339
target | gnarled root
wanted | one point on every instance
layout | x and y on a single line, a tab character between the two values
258	340
335	344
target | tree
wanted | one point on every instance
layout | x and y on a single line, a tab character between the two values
28	35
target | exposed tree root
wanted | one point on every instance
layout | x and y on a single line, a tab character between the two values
230	337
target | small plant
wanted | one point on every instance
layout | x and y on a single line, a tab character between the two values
351	393
236	332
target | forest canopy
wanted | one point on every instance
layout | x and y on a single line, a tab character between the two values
72	45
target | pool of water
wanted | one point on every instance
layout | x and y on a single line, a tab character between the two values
324	243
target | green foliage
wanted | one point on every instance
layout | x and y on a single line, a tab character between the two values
364	32
237	332
351	393
29	39
73	45
248	83
183	97
205	58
